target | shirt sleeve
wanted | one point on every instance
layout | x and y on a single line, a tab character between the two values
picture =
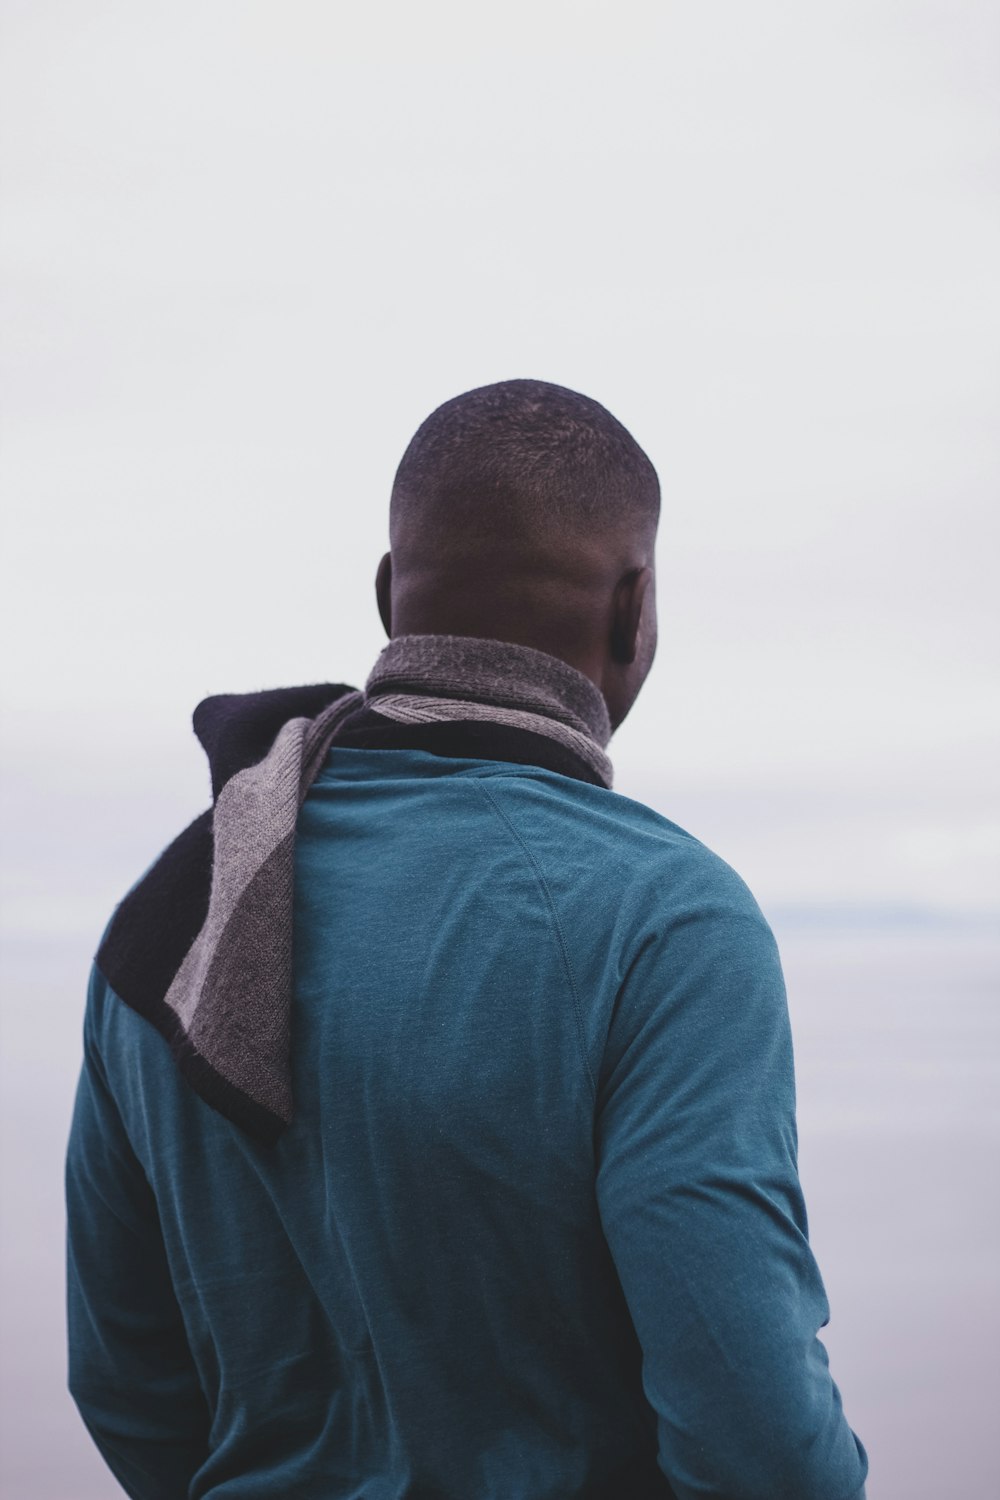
700	1200
130	1368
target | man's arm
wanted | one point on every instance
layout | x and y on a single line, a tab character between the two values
130	1368
700	1199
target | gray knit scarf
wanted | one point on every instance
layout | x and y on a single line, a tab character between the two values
227	1008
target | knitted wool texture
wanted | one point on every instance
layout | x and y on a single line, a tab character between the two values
202	946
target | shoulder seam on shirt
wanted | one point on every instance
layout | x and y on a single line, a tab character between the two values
557	925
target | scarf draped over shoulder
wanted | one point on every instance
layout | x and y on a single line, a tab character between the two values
201	946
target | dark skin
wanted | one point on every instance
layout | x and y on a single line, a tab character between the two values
591	602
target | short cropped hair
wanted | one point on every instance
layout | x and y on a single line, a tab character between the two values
524	456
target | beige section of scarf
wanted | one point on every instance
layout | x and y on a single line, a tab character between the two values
417	708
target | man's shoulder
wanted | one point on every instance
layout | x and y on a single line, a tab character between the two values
628	844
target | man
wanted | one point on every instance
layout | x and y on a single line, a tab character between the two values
435	1135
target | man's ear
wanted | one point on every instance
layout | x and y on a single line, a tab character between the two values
630	593
383	592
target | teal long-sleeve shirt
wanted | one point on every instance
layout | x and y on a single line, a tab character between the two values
536	1231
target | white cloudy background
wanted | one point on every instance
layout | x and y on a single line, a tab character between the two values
247	247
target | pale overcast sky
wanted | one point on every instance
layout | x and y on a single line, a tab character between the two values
248	247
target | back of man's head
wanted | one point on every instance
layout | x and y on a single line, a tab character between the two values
522	463
526	512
